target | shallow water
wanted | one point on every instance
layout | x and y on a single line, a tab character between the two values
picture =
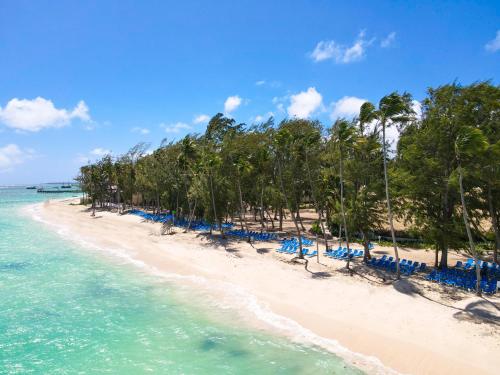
64	310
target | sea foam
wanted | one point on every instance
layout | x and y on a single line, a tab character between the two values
237	298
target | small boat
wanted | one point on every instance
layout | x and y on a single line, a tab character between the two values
31	187
66	187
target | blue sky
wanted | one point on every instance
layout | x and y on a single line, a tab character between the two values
80	78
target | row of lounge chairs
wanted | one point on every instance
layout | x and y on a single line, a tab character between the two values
464	279
407	267
491	270
305	251
291	246
342	253
257	236
200	225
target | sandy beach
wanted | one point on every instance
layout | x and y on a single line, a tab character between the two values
411	326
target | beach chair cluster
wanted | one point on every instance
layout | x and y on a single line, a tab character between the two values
199	225
157	218
256	236
407	267
291	246
491	270
342	253
463	279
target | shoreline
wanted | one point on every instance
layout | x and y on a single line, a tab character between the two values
420	336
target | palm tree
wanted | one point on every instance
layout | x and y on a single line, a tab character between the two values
392	109
212	161
242	167
470	141
185	158
282	142
343	134
313	194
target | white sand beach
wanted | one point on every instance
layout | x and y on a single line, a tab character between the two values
411	326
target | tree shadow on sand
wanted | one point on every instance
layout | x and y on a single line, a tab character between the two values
479	311
263	250
216	240
320	275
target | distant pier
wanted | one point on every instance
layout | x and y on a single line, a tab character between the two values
56	191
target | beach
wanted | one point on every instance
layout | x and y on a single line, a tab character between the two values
409	326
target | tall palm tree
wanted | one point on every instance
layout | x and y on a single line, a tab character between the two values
282	141
185	158
212	162
470	141
242	167
392	109
344	135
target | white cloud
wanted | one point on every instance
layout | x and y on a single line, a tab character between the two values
100	152
39	113
417	108
140	130
175	128
354	53
12	155
493	45
348	107
388	40
272	84
82	159
392	136
305	103
232	103
261	118
279	101
94	154
325	50
201	119
329	49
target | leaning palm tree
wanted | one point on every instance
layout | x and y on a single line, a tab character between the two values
185	160
281	143
469	142
343	136
392	109
242	167
213	161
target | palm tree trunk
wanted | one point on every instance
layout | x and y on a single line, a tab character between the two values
316	204
213	197
270	219
299	235
366	255
342	210
494	224
389	211
281	219
191	215
298	216
187	197
118	198
157	202
262	205
242	210
469	234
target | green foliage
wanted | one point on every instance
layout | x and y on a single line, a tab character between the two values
268	169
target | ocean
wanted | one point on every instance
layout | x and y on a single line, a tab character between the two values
66	309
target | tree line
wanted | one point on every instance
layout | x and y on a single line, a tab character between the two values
442	179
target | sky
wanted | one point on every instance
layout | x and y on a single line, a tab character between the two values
82	79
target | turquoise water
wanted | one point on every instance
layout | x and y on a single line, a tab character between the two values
65	310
